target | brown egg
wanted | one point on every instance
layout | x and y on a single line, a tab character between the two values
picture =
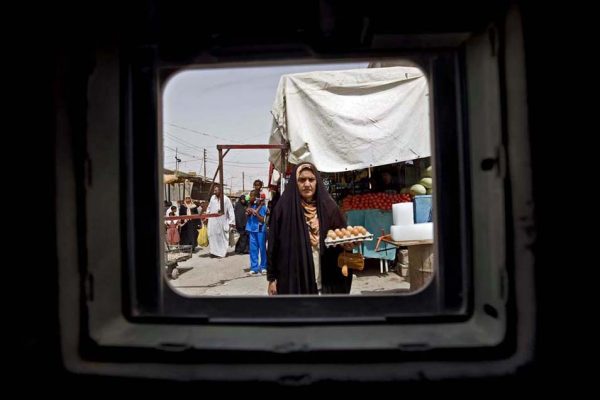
355	231
339	233
349	227
331	235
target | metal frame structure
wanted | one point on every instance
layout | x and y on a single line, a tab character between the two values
227	147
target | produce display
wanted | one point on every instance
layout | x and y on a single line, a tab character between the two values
427	181
347	235
418	189
427	172
382	201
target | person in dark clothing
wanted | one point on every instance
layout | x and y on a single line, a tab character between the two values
297	260
271	206
167	206
241	247
387	184
189	227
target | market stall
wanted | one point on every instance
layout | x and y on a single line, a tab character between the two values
349	124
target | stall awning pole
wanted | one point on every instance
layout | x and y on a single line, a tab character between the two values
221	180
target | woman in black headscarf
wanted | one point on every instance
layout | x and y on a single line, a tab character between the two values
297	260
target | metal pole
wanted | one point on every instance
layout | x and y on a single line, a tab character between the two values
221	181
204	163
212	184
284	172
243	181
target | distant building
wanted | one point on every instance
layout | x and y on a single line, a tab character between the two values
177	184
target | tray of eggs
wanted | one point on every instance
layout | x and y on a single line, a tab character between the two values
347	235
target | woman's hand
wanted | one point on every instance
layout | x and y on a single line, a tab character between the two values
272	289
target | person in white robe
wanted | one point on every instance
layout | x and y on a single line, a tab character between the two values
219	227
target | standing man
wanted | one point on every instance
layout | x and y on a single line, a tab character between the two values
388	185
256	230
219	227
189	227
258	184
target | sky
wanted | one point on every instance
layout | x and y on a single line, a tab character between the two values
206	107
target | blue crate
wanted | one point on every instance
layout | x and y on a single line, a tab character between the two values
422	208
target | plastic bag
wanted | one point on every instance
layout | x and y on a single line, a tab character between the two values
203	236
231	238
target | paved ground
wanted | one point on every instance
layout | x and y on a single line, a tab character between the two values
205	276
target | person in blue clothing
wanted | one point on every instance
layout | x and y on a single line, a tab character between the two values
256	228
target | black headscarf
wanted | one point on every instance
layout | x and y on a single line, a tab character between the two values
289	251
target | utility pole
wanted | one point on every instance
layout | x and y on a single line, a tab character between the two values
204	163
177	161
243	181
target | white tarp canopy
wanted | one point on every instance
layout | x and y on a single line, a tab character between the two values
347	120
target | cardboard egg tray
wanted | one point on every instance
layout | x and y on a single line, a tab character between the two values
354	238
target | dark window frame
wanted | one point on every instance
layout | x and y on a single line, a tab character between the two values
446	296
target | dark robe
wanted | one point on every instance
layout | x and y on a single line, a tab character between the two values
289	255
189	231
242	245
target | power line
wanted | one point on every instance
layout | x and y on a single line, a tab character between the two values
181	141
189	155
202	133
181	162
242	162
195	147
238	166
214	162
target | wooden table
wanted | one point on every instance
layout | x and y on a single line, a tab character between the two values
420	259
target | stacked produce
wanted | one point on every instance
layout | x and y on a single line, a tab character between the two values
382	201
425	185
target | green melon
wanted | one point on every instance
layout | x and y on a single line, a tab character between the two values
417	189
427	182
428	172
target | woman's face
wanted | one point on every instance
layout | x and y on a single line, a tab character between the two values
307	184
